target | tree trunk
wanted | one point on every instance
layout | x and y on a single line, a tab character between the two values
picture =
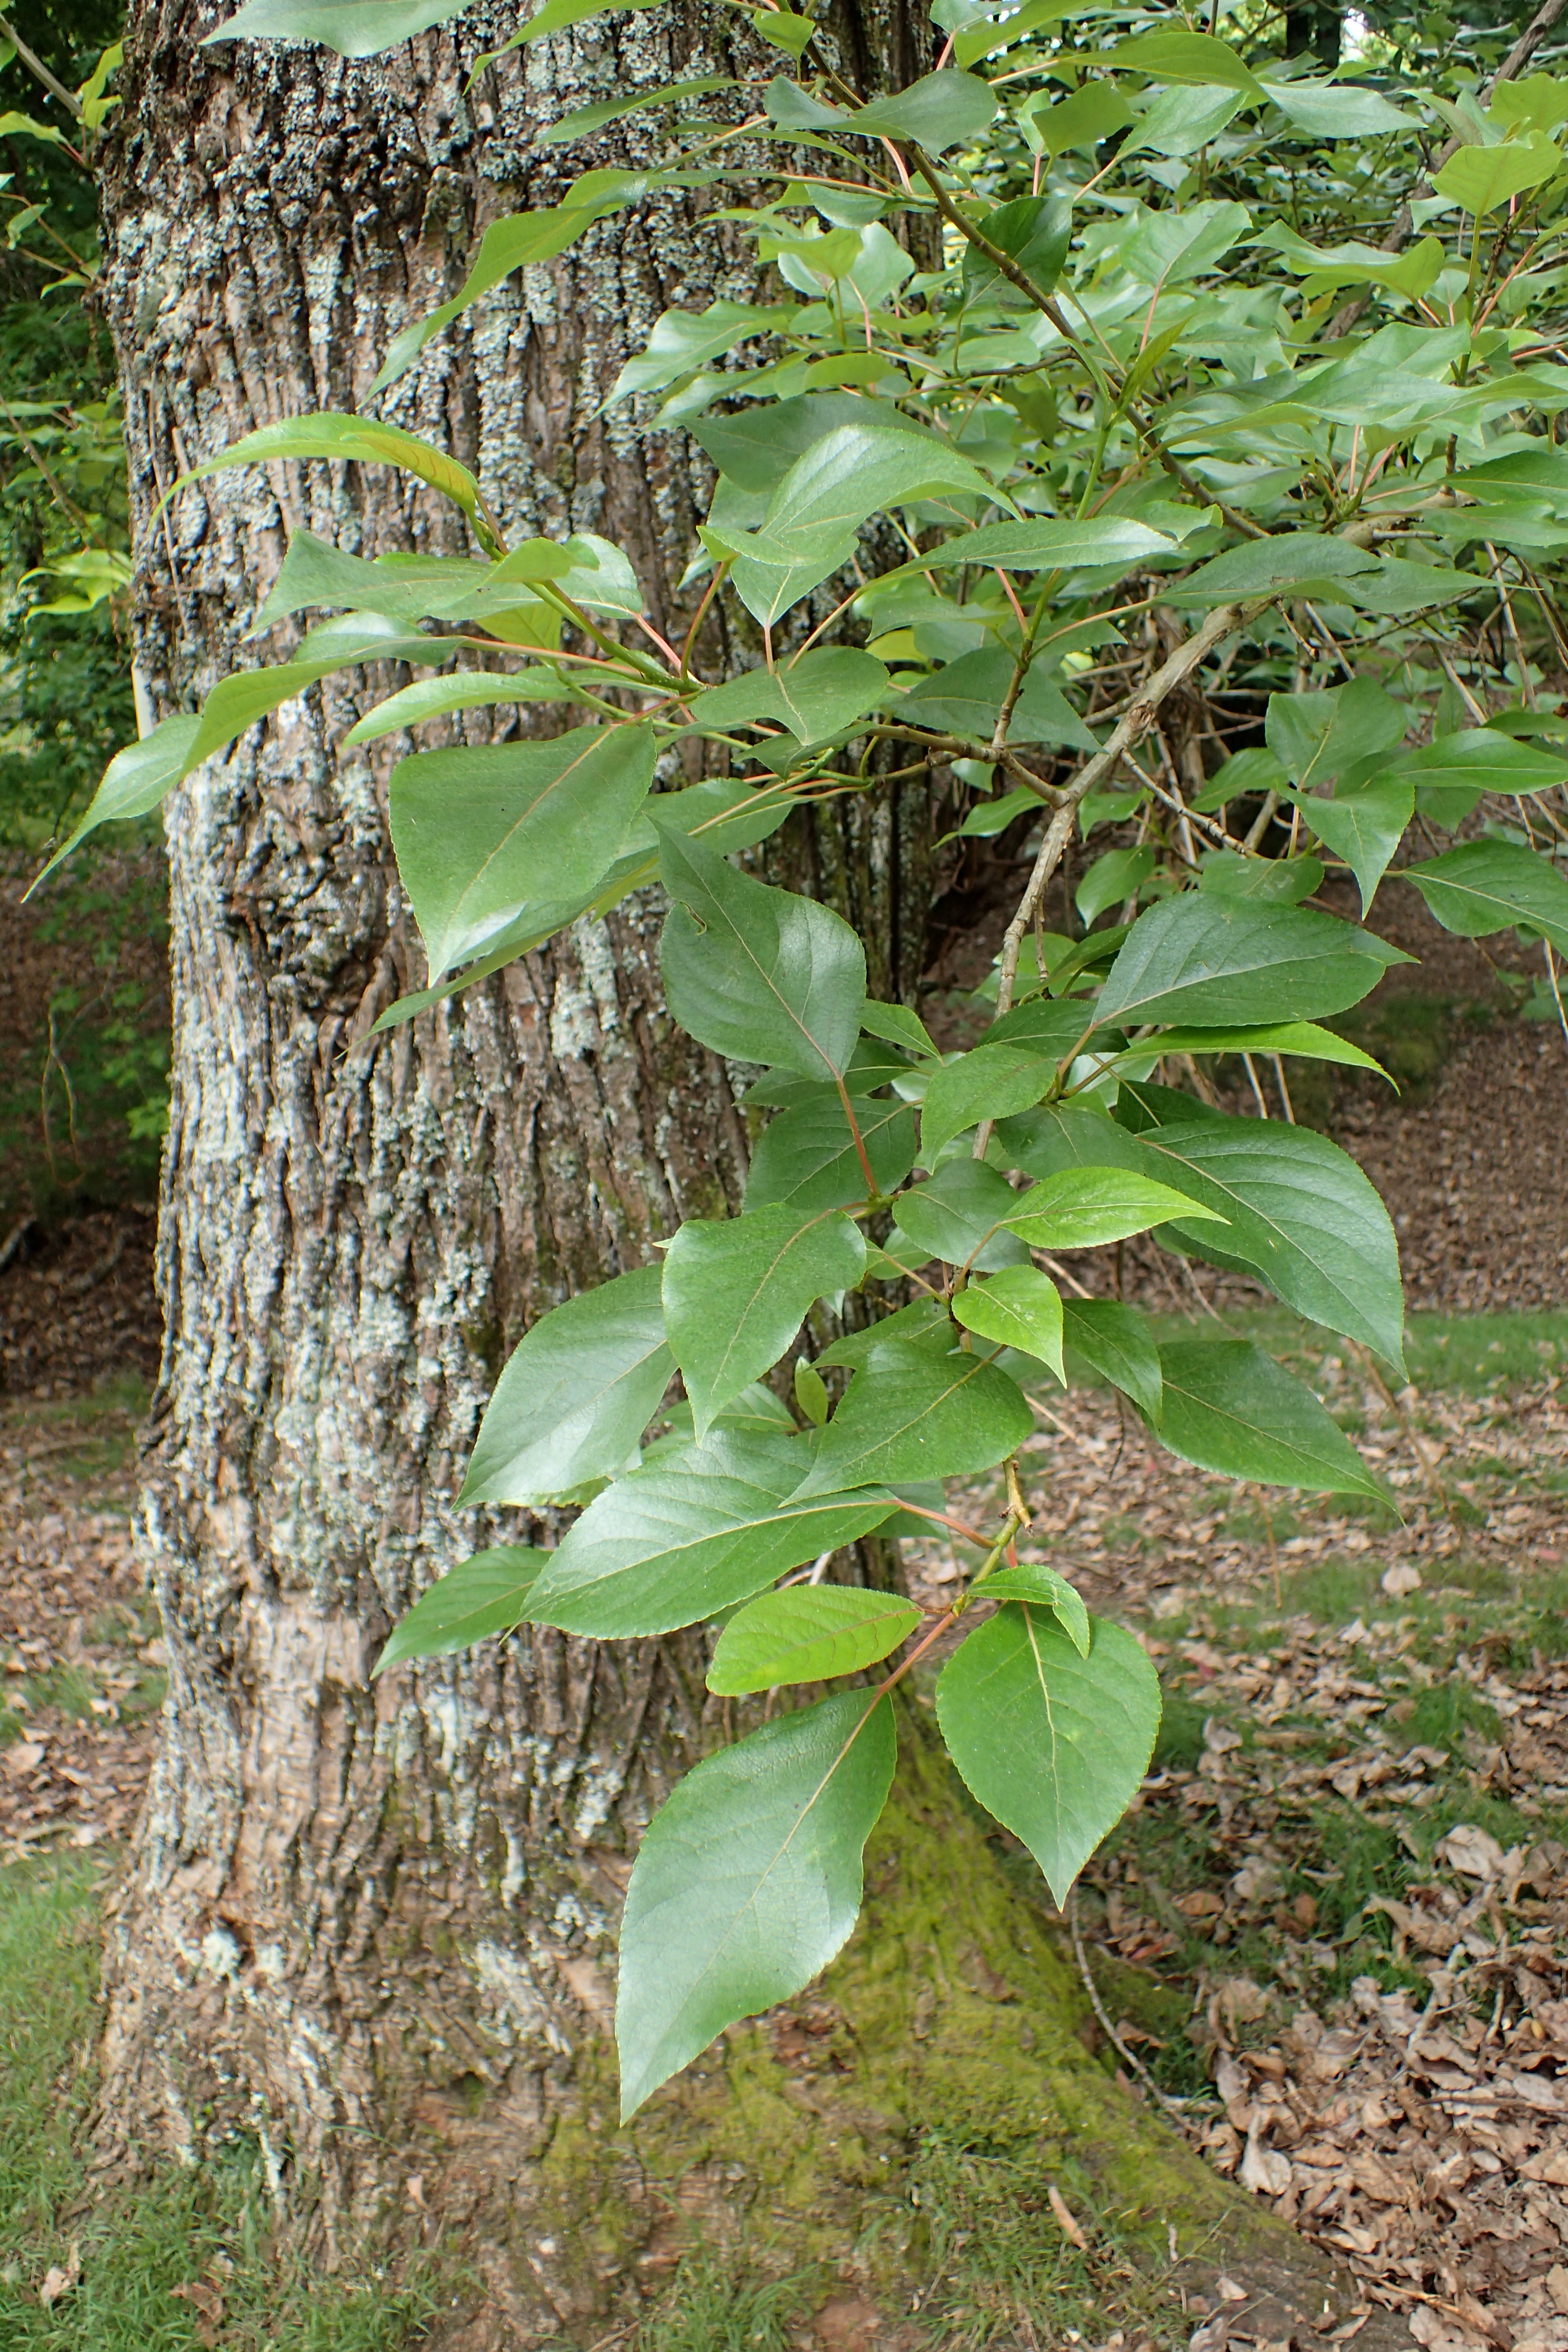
371	1926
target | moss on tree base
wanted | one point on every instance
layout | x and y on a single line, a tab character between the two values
949	2023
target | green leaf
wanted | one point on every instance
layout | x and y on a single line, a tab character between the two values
910	1413
682	341
1350	263
357	440
965	698
1481	760
1485	886
1315	736
989	818
1117	1342
1043	543
1053	1744
747	1882
1118	874
736	1290
479	831
1183	119
1276	881
576	1395
756	445
808	1159
941	109
1232	1409
1205	961
480	1597
693	1533
467	689
1302	1038
452	588
958	1215
1082	1208
1033	231
926	1323
1019	1307
815	697
760	974
1057	1028
354	28
1183	56
808	1634
810	1391
785	31
816	512
1364	824
990	1083
1042	1586
557	16
26	126
1335	110
897	1026
1481	178
1091	113
1300	1212
237	701
133	783
1301	562
587	120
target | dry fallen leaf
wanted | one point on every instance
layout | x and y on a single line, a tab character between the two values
1065	2221
59	2283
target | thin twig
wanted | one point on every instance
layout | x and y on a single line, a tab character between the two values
40	71
1174	2108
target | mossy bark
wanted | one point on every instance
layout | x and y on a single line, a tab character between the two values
953	2015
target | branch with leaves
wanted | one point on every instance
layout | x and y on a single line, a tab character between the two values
1125	470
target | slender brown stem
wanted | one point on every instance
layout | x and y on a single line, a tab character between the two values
873	1190
40	72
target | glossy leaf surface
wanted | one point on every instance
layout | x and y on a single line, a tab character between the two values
1018	1307
1053	1744
1080	1208
1232	1409
483	833
1205	961
747	1882
473	1602
911	1414
808	1634
576	1395
693	1533
736	1290
755	973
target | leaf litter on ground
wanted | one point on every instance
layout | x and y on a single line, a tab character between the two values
1333	1931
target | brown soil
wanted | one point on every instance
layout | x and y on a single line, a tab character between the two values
76	1309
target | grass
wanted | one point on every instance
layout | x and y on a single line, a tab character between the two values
714	2304
142	2249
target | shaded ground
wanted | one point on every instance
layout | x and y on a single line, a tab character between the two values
81	1661
1335	1926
